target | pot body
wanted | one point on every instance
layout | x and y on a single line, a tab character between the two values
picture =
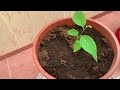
106	32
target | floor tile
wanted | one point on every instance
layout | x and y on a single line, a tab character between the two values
113	23
7	40
22	66
4	69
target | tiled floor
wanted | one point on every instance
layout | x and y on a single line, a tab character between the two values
21	65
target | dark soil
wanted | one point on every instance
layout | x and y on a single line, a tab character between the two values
57	57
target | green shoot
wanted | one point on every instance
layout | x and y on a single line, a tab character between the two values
83	41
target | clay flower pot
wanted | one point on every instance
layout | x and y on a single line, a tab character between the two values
68	21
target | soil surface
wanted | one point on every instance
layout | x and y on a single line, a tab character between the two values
57	58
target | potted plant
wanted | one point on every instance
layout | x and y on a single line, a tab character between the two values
76	48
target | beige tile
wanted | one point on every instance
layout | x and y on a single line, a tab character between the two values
68	13
90	14
26	25
7	41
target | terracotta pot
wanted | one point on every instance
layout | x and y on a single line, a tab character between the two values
68	21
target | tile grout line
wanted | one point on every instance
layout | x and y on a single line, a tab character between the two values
9	70
10	30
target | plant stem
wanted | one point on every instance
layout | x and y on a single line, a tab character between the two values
81	33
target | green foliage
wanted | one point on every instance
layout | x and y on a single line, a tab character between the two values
77	46
73	32
79	18
83	41
88	44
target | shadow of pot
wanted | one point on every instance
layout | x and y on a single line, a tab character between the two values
106	32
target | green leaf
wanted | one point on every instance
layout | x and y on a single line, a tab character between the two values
77	46
73	32
89	26
89	45
79	18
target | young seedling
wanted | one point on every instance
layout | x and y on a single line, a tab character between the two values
83	41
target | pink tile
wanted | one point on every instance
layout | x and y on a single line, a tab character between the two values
22	65
4	71
111	20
